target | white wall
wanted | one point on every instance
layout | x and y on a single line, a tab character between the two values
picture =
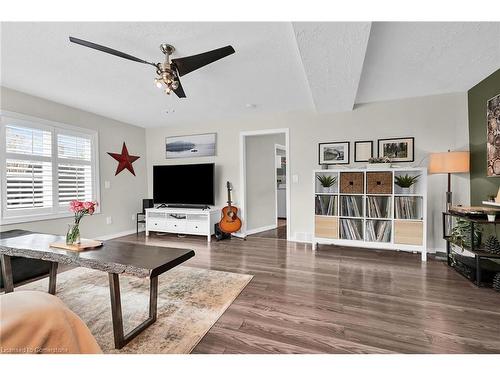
438	123
261	180
123	199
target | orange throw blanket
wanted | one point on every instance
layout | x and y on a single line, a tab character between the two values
36	322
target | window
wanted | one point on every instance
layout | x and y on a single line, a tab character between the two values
44	166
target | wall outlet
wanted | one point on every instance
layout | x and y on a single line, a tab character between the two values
107	184
108	220
295	178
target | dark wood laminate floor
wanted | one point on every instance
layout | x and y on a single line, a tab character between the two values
279	232
342	300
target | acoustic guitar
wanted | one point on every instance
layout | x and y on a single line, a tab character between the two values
230	222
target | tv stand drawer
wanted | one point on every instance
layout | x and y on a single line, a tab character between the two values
175	226
196	226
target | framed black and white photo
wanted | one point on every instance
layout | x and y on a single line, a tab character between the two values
334	153
397	149
363	150
191	146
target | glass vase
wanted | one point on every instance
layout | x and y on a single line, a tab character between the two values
73	234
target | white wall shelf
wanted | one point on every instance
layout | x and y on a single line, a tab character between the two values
494	204
382	227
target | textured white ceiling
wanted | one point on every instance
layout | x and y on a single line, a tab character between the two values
279	67
37	58
408	59
332	54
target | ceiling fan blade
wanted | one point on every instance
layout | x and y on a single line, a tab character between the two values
187	64
108	50
179	91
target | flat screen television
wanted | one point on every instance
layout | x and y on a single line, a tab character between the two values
187	184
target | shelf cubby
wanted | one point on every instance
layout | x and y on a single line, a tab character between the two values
326	204
318	189
408	207
418	188
351	205
378	230
351	229
378	206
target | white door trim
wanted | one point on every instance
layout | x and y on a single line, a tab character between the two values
243	174
276	148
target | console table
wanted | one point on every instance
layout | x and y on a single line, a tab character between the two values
466	248
182	221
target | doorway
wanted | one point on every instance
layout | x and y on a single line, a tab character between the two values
265	192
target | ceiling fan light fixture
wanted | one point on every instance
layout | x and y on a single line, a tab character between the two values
170	71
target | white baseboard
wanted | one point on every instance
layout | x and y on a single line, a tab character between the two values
260	229
119	234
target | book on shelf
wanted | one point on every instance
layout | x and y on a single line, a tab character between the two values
350	230
350	206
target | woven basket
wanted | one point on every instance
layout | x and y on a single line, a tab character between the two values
352	182
379	182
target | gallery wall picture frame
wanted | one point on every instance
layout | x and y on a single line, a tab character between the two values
191	146
363	150
493	136
334	153
400	150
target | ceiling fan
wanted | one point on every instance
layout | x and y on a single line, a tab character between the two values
170	71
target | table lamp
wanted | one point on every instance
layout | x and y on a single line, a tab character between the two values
449	162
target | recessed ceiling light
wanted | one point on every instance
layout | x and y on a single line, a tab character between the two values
251	105
169	111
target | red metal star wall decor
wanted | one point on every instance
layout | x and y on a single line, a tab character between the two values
124	160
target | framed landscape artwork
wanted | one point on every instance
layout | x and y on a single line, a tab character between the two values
190	146
397	149
334	153
493	137
363	150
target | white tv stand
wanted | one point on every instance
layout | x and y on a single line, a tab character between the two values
182	220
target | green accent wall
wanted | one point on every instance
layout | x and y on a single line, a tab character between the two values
480	185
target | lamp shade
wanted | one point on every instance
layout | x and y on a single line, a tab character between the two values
449	162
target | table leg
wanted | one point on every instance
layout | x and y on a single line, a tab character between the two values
122	339
53	277
8	282
478	271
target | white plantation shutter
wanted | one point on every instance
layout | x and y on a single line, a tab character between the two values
75	182
43	167
74	172
29	184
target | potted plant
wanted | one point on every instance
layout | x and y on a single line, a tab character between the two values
80	209
379	163
326	182
405	182
462	234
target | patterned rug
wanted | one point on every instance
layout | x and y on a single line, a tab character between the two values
190	300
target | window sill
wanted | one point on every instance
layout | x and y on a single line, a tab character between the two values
33	218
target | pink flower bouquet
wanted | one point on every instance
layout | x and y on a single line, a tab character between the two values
80	209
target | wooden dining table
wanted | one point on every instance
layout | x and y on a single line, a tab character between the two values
114	257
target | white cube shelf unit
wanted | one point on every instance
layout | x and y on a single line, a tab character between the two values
365	208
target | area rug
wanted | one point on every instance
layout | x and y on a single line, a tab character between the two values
190	300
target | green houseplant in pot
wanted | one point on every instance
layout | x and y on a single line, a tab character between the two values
326	182
405	182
